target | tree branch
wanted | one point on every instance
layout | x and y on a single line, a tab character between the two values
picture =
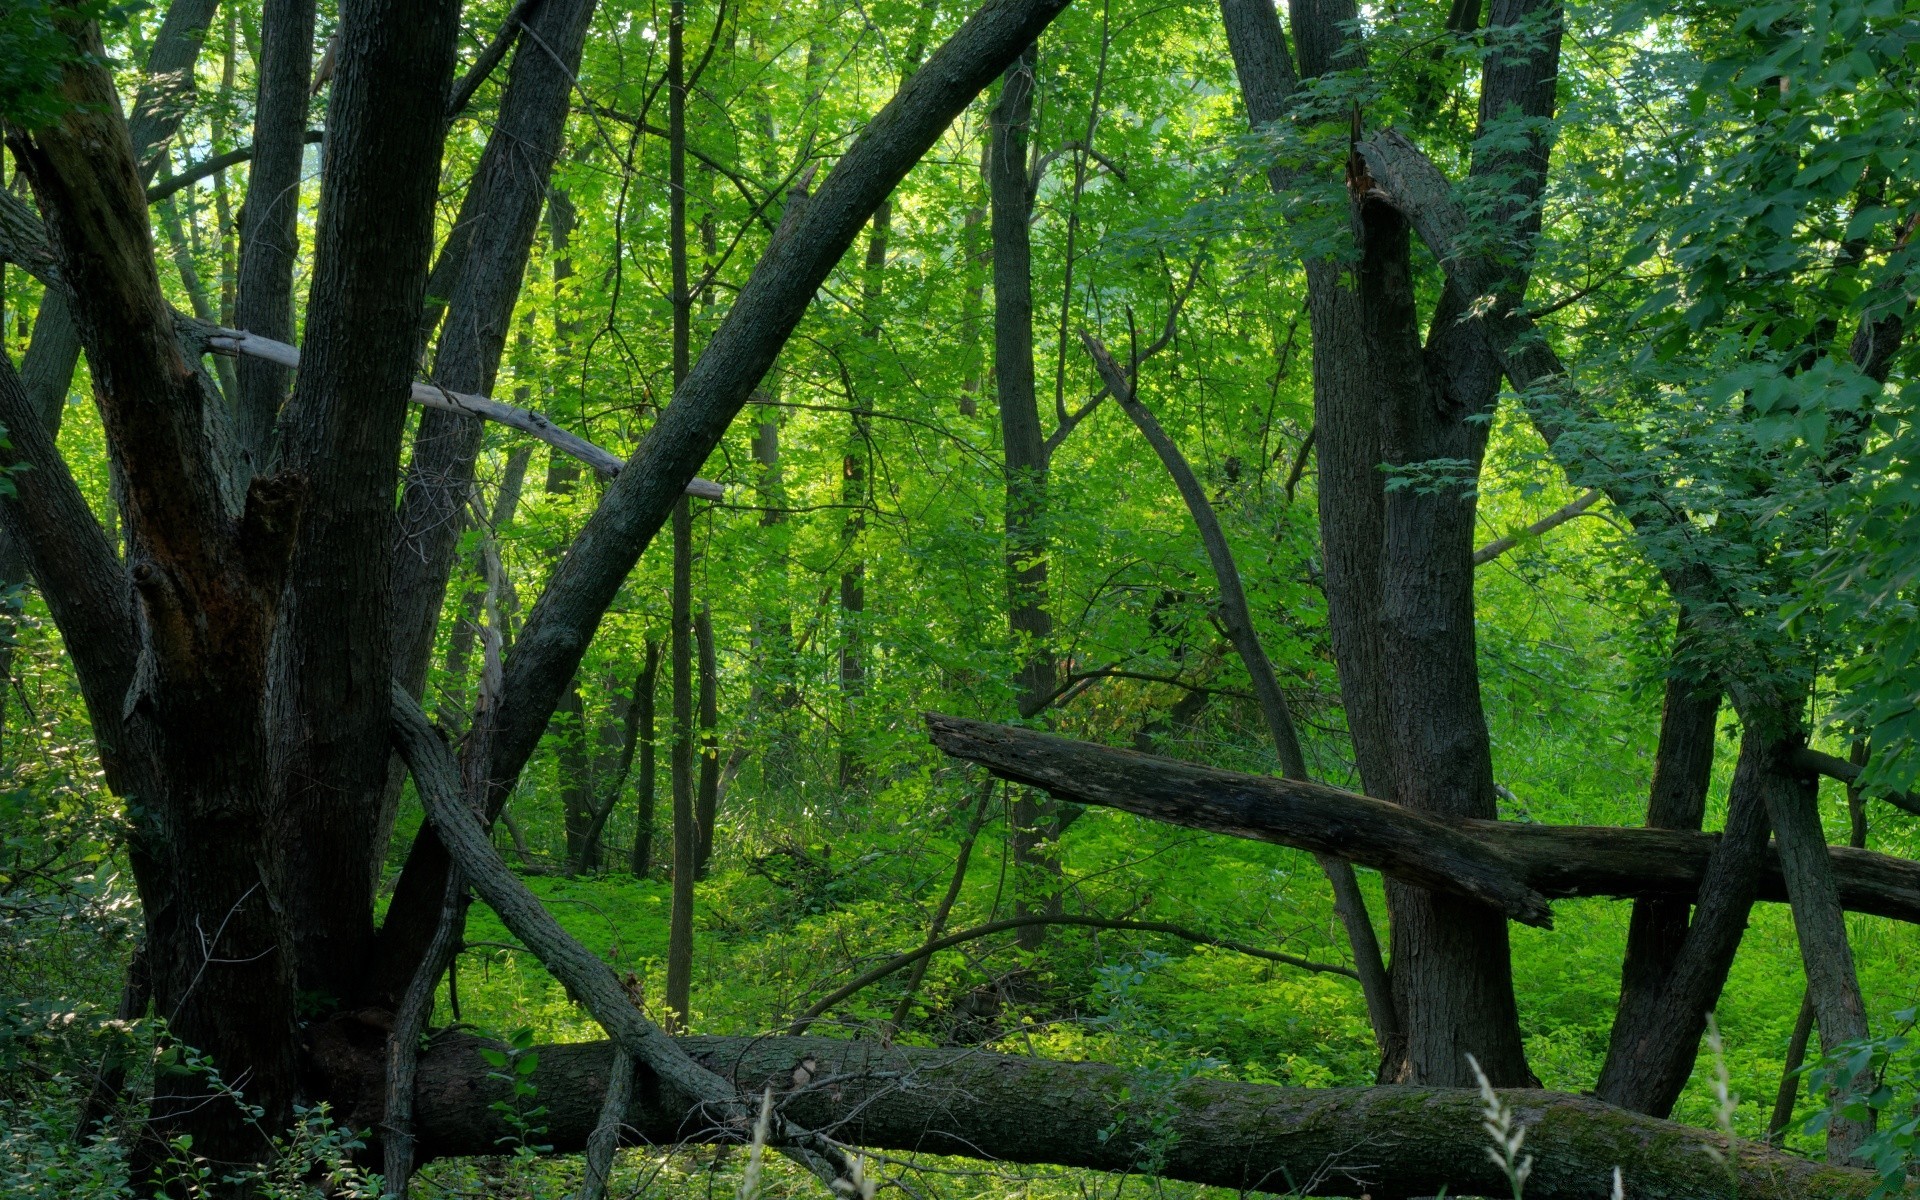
1512	858
908	958
605	462
1553	520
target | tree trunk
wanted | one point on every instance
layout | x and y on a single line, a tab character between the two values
1653	1048
485	258
707	804
574	765
1023	448
1676	799
341	432
640	859
1386	1142
207	580
269	225
686	835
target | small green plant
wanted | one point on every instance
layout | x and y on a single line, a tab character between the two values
1876	1076
514	1064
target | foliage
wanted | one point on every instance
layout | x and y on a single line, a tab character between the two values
1714	238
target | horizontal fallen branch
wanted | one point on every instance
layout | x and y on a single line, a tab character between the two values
605	462
1551	860
902	961
1393	840
1384	1141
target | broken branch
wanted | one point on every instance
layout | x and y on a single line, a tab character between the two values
605	462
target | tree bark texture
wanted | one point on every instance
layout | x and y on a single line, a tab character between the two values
341	433
1386	1142
1653	1047
486	257
1677	799
269	228
207	578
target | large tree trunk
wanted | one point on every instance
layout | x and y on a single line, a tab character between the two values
341	433
207	579
1384	1142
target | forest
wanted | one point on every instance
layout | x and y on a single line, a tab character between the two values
976	598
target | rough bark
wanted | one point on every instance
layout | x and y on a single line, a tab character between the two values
1654	1047
812	240
269	233
1765	691
1385	1142
1677	799
207	579
341	433
1507	864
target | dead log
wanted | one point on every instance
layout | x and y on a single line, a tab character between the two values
1384	1141
1546	860
1312	816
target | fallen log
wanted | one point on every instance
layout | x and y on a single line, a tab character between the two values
1549	860
1312	816
1380	1141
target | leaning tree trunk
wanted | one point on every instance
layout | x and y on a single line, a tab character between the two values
813	237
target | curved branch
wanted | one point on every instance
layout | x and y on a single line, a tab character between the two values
1553	520
900	961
